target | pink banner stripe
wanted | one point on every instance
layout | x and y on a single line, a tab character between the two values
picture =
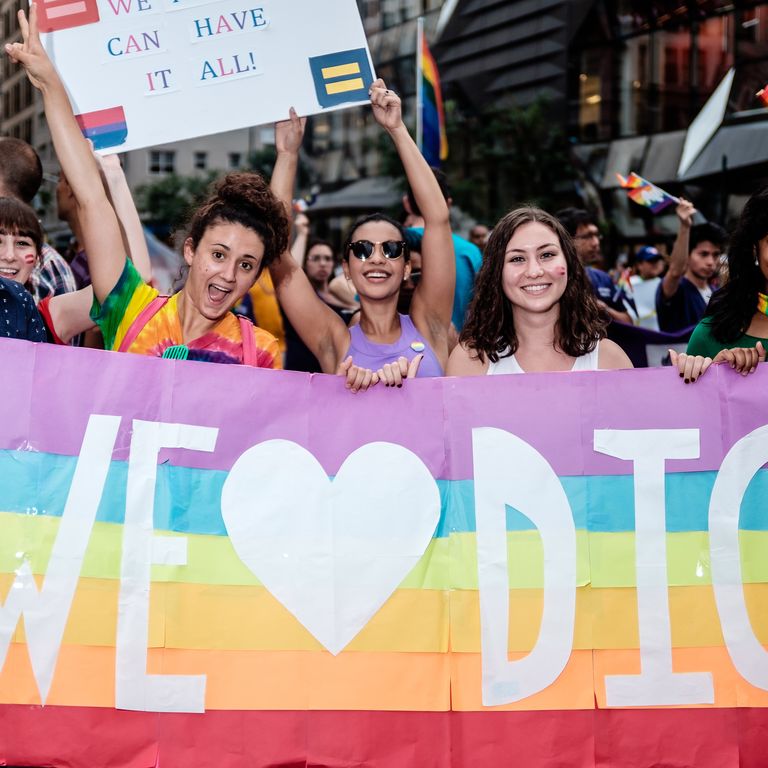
100	117
68	9
57	389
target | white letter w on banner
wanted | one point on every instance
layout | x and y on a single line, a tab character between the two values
45	612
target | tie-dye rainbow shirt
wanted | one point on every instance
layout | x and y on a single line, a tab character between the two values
221	345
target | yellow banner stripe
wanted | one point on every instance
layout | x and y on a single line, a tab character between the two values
250	618
340	70
602	559
355	681
344	85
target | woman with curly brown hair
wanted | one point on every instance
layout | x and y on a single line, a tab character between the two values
232	237
533	308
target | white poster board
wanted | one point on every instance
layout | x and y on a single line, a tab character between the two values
146	72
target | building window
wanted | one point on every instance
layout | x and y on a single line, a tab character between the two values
162	161
201	160
235	159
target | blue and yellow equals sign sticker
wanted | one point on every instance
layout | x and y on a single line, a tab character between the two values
341	77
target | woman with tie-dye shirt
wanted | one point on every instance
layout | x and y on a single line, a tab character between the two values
232	237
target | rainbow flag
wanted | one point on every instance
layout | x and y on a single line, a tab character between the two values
432	138
646	194
202	570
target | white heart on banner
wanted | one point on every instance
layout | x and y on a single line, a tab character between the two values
331	551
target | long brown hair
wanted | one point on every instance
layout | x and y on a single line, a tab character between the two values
490	327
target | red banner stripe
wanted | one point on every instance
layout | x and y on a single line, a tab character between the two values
80	737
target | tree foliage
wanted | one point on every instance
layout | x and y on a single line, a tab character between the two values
502	158
166	203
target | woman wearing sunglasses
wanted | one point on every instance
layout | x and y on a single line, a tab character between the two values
385	345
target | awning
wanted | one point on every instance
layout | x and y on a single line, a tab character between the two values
741	145
624	155
662	157
370	194
654	157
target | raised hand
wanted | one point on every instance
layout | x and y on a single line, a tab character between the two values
690	367
387	109
358	379
392	374
290	133
30	52
743	360
685	210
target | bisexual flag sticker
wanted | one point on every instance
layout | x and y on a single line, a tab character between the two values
105	127
53	15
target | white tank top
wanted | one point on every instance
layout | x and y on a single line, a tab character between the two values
509	364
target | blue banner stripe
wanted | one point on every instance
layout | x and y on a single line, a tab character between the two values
188	500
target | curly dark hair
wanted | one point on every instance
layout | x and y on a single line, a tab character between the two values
375	217
490	326
244	198
732	307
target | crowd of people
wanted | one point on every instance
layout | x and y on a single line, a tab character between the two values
403	299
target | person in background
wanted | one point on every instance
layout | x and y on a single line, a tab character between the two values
21	174
734	329
586	237
319	261
468	256
647	267
478	236
685	291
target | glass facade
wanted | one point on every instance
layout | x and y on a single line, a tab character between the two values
646	67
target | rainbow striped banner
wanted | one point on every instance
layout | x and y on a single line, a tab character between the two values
430	130
261	568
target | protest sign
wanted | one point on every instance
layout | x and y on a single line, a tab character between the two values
146	72
259	567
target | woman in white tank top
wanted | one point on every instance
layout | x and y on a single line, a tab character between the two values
533	308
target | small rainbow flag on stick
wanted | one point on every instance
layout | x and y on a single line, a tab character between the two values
646	194
430	116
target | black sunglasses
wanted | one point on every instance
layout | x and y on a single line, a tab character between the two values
363	249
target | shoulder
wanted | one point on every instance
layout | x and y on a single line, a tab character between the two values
611	356
702	341
465	361
467	250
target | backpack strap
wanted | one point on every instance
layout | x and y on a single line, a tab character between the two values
249	345
137	326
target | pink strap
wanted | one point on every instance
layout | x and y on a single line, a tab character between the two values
249	345
246	330
137	326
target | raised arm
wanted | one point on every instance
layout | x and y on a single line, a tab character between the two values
678	260
319	327
299	247
101	232
120	196
432	303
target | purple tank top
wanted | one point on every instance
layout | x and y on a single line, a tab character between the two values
367	354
